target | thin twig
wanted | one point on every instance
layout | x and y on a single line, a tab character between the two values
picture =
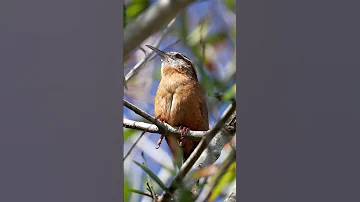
145	129
149	183
133	146
143	114
142	134
148	55
140	192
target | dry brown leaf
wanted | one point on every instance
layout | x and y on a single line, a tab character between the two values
206	171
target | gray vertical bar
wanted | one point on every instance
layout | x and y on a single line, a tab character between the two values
298	76
60	95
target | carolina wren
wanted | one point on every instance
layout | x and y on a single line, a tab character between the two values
180	100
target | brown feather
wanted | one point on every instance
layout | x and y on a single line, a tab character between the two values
181	101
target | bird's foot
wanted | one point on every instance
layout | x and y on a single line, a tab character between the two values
161	138
184	130
159	141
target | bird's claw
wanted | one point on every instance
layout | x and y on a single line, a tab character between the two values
161	138
184	130
159	142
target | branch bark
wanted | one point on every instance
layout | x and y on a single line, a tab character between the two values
223	169
169	130
159	14
231	197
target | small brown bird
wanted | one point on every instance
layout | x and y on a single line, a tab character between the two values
180	100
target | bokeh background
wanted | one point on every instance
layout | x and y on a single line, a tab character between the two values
206	33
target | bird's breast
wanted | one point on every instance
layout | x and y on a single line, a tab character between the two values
172	98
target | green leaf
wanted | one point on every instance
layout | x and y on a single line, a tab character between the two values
233	33
153	176
186	196
128	133
199	33
229	94
126	190
216	38
170	170
230	4
136	7
227	178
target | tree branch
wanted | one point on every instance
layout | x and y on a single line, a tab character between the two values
231	197
148	55
169	130
223	169
145	115
133	146
159	14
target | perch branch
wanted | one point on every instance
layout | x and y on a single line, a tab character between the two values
144	114
169	130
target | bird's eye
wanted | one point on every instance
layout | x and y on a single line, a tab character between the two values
178	56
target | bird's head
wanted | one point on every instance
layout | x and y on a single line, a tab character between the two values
176	61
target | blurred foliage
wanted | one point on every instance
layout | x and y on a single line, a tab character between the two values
136	7
229	94
206	171
128	133
216	38
126	189
227	178
186	196
230	4
152	175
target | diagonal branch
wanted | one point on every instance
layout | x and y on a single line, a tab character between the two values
148	55
231	197
213	152
218	130
223	169
133	146
159	14
144	114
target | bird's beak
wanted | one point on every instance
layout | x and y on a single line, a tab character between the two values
162	54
